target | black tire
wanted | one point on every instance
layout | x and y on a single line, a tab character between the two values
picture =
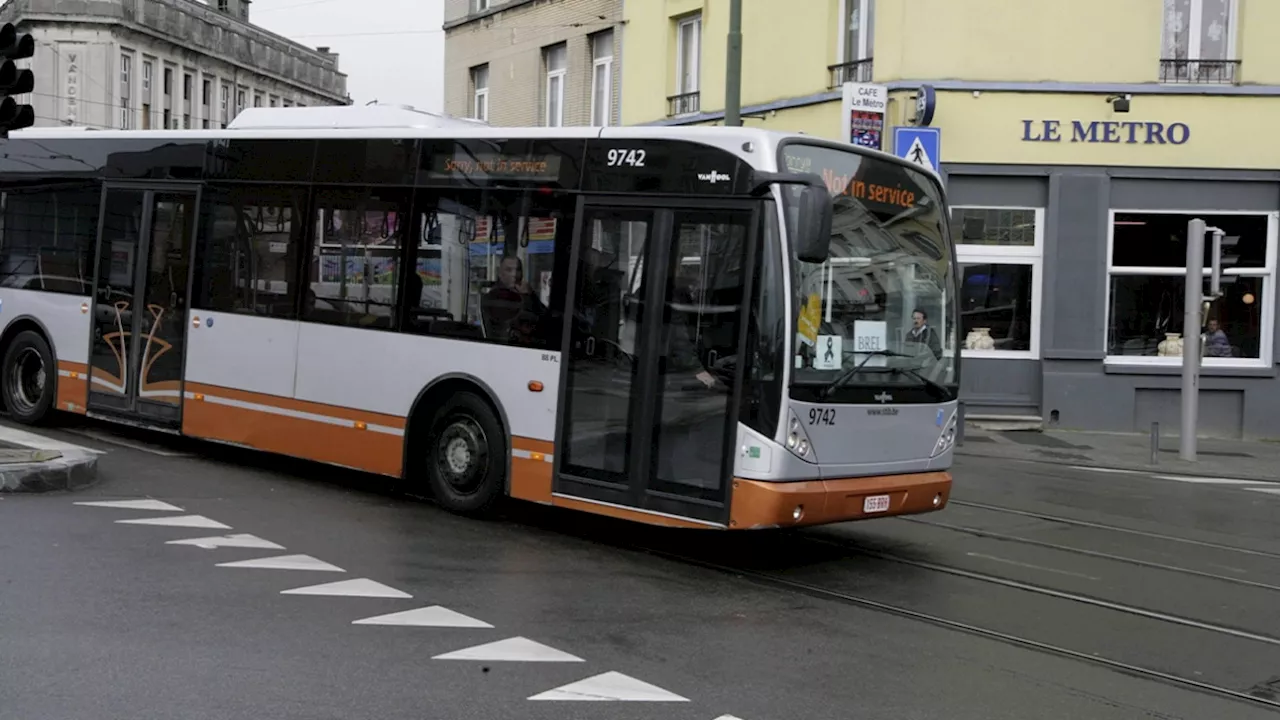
30	378
465	459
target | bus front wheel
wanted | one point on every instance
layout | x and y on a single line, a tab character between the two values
466	463
29	378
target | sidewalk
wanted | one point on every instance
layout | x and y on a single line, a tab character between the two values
1245	460
36	463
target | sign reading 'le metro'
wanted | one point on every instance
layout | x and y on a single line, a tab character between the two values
1128	133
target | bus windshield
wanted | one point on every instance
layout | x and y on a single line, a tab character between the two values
880	312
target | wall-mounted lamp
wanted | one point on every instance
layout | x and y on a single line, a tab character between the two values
1120	103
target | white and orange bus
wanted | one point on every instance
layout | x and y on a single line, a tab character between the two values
693	327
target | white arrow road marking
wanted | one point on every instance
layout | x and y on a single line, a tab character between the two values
133	505
284	562
193	521
610	686
516	649
239	540
360	587
434	616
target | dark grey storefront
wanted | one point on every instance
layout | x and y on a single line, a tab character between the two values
1081	346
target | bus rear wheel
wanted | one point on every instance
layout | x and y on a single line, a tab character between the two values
29	378
466	463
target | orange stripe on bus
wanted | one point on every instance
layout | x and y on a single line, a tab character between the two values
531	476
299	437
313	408
627	514
73	389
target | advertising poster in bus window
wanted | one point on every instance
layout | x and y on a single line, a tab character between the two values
864	110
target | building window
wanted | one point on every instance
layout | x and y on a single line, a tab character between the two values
206	92
556	60
1198	44
126	82
857	42
257	99
239	101
273	101
602	78
688	65
225	105
479	5
168	83
146	94
1147	278
480	92
186	87
222	5
999	250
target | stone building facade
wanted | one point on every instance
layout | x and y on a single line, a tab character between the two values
152	64
534	62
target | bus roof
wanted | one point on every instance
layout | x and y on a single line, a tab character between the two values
406	122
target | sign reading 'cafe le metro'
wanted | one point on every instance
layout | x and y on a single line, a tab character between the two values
1128	133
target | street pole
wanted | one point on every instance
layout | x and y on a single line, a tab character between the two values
733	68
1191	339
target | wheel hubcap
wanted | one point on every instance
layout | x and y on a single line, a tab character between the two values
462	455
27	379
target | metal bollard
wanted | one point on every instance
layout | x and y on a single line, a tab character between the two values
1155	443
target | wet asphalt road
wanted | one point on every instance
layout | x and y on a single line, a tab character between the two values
100	619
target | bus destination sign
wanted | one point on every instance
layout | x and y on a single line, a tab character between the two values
882	186
487	167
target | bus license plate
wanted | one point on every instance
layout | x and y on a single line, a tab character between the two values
875	503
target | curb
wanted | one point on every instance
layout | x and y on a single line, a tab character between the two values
1162	469
34	471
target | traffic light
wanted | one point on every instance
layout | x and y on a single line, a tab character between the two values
14	81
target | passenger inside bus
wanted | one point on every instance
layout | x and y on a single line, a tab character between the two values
511	309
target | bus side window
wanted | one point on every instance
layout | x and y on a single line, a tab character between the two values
485	266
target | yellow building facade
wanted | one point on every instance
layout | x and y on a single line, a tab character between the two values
1076	140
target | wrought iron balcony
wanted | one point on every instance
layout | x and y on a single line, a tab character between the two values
856	71
1207	72
683	104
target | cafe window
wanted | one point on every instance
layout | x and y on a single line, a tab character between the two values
999	250
1147	278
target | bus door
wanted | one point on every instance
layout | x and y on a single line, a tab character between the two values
655	321
140	300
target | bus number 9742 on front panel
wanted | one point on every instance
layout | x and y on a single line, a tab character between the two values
634	157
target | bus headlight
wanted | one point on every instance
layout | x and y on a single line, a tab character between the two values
797	439
948	437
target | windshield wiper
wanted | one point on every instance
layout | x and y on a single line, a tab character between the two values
844	377
938	388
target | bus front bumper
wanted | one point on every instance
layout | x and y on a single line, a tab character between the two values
758	505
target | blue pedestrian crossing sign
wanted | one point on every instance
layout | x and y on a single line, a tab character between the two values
918	145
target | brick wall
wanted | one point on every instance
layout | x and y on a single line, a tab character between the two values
511	41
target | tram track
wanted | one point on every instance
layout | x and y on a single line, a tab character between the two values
810	589
1115	528
1003	537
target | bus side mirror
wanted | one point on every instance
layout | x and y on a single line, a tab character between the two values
809	209
812	238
